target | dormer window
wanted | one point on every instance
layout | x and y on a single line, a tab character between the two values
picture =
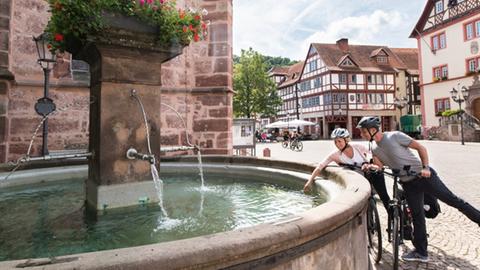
346	61
382	59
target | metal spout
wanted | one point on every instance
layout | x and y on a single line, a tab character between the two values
133	154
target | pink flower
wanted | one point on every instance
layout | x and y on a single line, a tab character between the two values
150	2
141	2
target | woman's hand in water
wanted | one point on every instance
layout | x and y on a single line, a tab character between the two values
308	187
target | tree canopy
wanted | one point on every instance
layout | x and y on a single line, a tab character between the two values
255	92
271	61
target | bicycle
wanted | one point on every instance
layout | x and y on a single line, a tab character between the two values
296	144
401	217
374	230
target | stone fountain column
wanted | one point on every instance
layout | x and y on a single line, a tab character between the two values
123	61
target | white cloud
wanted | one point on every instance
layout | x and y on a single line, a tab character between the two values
287	27
367	29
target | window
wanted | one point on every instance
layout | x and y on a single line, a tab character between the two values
317	82
442	105
360	98
379	78
382	59
343	78
440	72
352	78
435	42
469	31
347	62
439	41
439	6
444	72
473	64
370	79
313	65
327	99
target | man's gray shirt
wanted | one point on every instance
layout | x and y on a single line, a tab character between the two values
393	151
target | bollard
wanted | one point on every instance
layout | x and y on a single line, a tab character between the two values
266	152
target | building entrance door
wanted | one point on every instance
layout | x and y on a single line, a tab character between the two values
386	123
355	130
476	108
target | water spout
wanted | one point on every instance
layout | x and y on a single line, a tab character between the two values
133	154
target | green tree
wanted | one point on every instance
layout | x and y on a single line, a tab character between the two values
255	92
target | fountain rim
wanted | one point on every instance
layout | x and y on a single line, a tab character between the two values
227	249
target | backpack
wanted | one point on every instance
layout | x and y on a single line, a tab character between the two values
431	206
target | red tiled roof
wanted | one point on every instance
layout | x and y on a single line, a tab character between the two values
293	74
279	70
409	57
360	54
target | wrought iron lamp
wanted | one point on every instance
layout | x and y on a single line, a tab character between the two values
400	103
460	97
45	105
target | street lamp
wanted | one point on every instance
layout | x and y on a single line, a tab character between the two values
400	103
460	97
45	105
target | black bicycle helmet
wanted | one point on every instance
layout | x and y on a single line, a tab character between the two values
369	122
340	133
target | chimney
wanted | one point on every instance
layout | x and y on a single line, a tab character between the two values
343	44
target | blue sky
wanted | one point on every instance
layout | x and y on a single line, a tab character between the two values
287	27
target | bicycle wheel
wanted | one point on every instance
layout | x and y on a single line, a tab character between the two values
299	146
374	232
285	144
293	145
396	237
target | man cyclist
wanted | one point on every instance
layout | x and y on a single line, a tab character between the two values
394	150
350	154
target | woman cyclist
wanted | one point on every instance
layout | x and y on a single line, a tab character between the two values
351	154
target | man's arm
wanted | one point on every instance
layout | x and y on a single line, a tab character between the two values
422	152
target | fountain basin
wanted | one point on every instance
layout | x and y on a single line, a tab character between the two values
331	235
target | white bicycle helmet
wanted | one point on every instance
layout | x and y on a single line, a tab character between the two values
340	133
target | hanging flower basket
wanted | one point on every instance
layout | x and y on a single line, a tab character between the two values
147	24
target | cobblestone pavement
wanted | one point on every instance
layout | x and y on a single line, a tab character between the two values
454	240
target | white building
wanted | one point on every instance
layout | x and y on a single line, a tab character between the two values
341	83
447	34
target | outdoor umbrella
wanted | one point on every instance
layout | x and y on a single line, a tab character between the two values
300	123
278	124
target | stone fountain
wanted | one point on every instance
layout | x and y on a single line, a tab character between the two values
125	58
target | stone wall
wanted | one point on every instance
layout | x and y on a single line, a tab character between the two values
198	84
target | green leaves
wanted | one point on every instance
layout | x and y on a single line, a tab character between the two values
82	20
255	91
